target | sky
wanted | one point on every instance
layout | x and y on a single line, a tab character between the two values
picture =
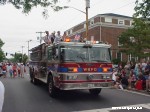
17	28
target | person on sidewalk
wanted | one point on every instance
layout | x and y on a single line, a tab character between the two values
10	70
147	76
14	67
4	70
2	90
22	70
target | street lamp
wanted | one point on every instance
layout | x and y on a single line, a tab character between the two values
86	13
28	47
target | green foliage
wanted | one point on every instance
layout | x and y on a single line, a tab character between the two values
2	55
116	61
142	9
18	58
27	5
136	40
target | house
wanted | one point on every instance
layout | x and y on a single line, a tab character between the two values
106	28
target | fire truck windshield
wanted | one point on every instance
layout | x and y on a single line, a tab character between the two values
84	54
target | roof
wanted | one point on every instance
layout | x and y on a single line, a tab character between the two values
116	15
105	14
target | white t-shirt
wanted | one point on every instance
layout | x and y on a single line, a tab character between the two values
114	75
2	90
57	39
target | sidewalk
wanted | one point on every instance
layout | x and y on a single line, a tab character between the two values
140	91
134	90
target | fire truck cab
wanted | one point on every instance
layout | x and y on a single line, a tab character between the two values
72	66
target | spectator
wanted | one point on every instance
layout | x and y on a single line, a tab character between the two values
4	69
47	38
120	66
143	65
52	36
139	82
131	80
18	69
147	76
132	65
22	70
114	74
2	90
124	81
118	84
58	38
127	68
64	36
137	70
14	67
10	70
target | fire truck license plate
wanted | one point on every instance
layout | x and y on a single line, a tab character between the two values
90	85
105	85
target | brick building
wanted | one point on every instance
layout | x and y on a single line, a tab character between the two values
106	28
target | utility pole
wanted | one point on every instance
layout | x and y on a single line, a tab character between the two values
40	36
22	52
87	26
87	3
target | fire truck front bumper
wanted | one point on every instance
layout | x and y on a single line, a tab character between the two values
76	85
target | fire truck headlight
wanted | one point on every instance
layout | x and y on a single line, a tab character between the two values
72	69
72	77
106	76
105	70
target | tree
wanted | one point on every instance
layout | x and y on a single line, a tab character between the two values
27	5
2	55
135	40
142	9
18	58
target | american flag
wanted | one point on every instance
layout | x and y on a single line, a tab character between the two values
77	37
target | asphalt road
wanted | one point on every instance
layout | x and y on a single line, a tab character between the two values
23	96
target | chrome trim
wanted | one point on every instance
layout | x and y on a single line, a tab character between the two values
77	86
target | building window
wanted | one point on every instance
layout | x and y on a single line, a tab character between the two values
131	23
121	22
92	22
119	56
119	43
108	20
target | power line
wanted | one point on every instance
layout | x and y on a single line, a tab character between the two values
98	3
123	6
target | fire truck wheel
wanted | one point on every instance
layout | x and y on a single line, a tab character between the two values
51	88
95	92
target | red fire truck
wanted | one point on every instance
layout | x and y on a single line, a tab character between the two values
72	66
